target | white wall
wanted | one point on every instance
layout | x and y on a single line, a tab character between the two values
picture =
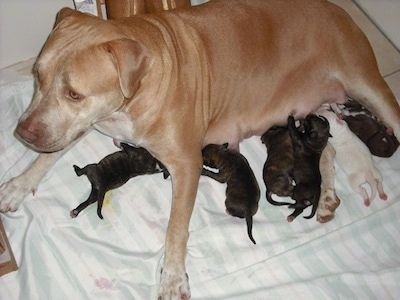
25	26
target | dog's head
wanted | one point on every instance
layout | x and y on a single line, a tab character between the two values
316	132
85	71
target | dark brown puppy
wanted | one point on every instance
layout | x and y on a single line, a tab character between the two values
378	138
113	171
242	191
278	168
307	145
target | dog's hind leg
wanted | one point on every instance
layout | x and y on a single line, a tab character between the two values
355	184
100	199
294	215
92	199
363	82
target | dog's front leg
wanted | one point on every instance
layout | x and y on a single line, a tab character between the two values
185	178
13	192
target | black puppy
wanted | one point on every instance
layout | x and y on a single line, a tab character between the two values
278	168
113	171
308	145
242	191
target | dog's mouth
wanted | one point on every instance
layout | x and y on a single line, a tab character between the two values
43	144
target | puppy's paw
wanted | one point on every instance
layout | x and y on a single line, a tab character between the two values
12	193
383	196
329	202
174	286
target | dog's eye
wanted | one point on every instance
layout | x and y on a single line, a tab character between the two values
74	95
313	134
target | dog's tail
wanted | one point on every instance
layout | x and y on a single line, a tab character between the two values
78	170
273	202
249	222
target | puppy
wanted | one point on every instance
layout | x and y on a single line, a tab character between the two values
242	191
278	168
307	146
354	157
113	171
378	138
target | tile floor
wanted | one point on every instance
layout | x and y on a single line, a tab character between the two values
380	21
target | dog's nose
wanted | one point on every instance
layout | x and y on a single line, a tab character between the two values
26	134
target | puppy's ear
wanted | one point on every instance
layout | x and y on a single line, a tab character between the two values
132	61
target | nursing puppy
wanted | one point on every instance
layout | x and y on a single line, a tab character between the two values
353	156
307	147
113	171
242	191
278	168
378	138
175	81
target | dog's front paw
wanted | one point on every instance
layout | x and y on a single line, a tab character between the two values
12	193
174	286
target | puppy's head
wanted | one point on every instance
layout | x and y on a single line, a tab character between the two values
213	153
316	131
85	71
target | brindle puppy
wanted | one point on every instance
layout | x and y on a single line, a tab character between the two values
242	191
278	168
113	171
307	145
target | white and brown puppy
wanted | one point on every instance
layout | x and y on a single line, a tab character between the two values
354	157
175	81
328	201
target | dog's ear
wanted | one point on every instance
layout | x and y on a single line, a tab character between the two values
63	13
132	60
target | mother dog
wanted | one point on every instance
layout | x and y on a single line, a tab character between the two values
175	81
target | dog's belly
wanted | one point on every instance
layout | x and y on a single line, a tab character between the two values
255	113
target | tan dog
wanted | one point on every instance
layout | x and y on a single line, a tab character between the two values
175	81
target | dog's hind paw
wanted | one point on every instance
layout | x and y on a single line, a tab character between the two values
12	193
174	286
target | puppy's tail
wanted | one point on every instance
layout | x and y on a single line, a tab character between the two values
273	202
78	170
249	222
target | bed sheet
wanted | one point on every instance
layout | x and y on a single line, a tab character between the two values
354	256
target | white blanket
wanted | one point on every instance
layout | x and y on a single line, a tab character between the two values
355	256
